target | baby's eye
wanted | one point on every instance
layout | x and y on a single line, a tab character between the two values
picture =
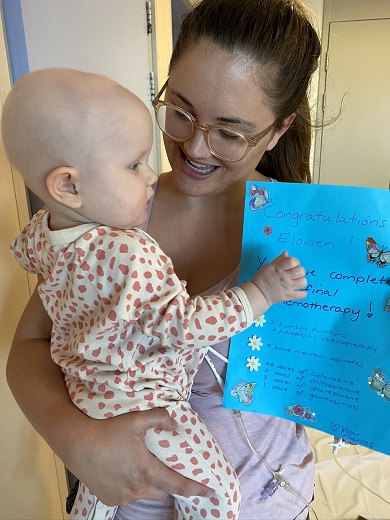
134	166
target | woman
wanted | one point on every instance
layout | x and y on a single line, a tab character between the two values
245	65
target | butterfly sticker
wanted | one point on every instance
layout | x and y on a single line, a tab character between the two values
378	382
243	391
387	305
375	253
259	198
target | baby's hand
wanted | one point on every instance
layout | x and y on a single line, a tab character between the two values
281	280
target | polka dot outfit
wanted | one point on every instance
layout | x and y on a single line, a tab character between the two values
128	337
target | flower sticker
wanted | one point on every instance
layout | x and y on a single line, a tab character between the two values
259	322
303	412
255	342
253	363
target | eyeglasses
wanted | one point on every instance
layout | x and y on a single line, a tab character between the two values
222	141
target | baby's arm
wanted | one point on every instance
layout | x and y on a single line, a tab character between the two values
166	310
279	281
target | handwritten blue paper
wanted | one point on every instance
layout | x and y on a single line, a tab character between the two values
323	361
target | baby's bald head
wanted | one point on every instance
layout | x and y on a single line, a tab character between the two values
58	117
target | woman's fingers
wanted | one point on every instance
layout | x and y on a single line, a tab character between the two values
117	467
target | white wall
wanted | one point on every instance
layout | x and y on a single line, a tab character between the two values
317	7
108	38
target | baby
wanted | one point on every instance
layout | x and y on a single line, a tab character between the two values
126	334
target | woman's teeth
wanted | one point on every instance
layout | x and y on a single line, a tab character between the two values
200	168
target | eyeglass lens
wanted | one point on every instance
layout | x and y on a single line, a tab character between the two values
224	142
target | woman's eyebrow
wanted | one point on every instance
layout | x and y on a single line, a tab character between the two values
185	100
237	120
234	120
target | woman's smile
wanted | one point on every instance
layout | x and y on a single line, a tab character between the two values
196	169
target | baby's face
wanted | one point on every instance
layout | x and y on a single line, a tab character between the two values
118	180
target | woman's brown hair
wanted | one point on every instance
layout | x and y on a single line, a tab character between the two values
278	36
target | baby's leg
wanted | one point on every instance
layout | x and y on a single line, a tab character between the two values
88	507
192	451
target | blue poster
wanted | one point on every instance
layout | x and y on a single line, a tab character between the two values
323	361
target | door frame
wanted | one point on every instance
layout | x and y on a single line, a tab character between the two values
160	51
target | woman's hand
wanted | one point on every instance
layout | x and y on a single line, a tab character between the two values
109	456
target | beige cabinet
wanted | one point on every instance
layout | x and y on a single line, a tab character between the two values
32	479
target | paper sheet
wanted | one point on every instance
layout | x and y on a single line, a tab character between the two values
323	361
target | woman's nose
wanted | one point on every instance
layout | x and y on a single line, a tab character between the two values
196	146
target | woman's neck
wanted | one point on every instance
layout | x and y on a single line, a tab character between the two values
202	235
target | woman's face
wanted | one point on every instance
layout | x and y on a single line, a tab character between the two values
216	88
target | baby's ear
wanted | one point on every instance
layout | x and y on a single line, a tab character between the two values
61	184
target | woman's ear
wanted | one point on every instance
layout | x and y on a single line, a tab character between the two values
61	184
278	134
